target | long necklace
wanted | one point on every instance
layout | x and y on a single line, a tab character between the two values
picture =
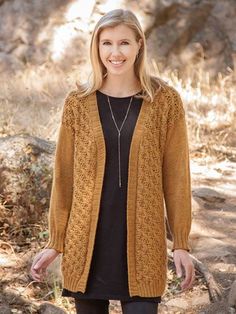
119	131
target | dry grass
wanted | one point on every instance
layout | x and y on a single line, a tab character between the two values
31	102
210	107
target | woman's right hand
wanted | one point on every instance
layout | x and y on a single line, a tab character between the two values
40	263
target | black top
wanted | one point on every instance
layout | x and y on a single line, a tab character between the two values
108	276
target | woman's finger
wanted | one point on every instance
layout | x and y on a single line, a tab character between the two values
36	267
189	279
37	258
178	267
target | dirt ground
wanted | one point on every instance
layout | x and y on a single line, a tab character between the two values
212	240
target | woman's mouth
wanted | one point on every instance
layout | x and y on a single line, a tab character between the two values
116	62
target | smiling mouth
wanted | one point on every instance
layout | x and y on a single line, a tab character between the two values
116	62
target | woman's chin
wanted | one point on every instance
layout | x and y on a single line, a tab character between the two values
118	71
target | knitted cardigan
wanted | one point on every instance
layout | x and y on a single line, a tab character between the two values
159	185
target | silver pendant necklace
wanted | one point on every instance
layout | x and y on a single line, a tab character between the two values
119	131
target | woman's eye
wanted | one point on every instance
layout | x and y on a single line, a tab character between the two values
108	43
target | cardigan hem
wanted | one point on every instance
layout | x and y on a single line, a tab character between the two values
137	298
148	290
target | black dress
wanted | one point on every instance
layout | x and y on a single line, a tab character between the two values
108	276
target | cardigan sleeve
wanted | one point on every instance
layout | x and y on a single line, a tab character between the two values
62	184
176	175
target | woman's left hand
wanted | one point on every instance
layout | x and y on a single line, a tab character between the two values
182	259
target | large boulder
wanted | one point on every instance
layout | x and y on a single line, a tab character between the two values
25	176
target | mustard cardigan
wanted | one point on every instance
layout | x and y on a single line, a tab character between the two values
159	183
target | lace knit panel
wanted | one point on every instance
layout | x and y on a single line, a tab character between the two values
68	111
150	238
84	178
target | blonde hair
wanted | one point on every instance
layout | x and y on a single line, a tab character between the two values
150	84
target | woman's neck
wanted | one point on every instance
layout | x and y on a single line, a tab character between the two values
119	86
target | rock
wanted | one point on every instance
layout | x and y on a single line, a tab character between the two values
199	300
208	195
232	296
5	309
26	175
48	308
178	302
195	31
9	64
207	247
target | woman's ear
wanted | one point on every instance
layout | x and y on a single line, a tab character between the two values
140	42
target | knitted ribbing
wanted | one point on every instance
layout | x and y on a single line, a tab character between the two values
158	171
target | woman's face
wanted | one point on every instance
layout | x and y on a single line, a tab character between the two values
118	49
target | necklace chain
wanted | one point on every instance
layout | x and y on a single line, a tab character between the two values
119	131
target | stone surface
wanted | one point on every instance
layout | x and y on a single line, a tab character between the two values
199	300
5	310
48	308
178	302
208	195
232	295
26	175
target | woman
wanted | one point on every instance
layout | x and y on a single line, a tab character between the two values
122	150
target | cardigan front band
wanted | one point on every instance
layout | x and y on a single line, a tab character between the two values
159	186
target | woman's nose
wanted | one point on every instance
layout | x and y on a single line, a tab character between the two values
115	50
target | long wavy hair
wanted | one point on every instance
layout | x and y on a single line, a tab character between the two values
150	84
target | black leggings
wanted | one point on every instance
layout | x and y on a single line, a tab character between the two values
96	306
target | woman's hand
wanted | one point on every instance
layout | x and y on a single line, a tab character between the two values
182	259
40	263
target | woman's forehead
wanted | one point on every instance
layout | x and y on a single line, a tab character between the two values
117	32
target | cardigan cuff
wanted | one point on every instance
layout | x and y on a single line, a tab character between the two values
180	241
56	242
